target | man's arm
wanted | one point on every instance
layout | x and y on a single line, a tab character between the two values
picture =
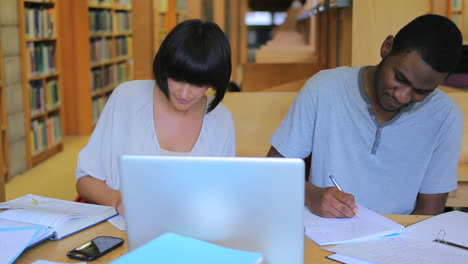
273	153
430	204
325	202
97	191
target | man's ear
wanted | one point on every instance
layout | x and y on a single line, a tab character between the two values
386	46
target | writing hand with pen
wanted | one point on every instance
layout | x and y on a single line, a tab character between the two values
330	202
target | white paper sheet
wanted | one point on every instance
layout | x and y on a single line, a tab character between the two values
402	250
118	221
13	241
347	259
329	231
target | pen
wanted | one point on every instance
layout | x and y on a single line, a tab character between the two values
450	244
339	187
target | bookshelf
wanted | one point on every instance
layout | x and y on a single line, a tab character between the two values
455	12
167	14
4	169
100	49
41	80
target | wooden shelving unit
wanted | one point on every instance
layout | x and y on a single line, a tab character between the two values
101	44
40	51
167	14
455	12
4	169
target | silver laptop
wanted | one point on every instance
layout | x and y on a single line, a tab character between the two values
253	204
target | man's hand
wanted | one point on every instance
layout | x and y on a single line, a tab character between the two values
330	202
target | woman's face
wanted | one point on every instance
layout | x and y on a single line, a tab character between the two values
183	95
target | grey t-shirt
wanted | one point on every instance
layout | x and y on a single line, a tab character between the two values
383	166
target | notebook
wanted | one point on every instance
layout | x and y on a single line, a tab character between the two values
43	232
59	218
439	239
14	240
178	249
250	204
330	231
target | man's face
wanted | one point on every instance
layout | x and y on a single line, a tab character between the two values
403	79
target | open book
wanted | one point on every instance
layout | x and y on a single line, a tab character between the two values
13	240
178	249
58	218
330	231
439	239
43	232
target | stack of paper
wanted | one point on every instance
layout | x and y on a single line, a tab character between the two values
43	232
14	240
418	244
330	231
177	249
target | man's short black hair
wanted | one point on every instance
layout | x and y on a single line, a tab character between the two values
436	38
196	52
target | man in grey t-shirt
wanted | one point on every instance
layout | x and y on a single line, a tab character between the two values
386	134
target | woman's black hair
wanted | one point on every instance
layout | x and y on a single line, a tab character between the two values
196	52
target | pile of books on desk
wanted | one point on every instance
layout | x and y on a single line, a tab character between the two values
372	238
31	219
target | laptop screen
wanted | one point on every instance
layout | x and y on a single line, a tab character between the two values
253	204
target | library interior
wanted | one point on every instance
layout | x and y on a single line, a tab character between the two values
60	61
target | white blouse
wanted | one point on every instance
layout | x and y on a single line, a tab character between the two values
126	126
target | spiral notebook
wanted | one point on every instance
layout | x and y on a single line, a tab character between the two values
439	239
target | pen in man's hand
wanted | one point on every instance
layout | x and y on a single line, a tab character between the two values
339	188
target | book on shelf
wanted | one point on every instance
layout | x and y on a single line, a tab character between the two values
58	218
178	249
439	239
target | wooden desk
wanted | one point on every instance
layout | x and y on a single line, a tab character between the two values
56	250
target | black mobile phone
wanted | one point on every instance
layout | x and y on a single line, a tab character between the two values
95	248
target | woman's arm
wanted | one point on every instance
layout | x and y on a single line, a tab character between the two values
97	191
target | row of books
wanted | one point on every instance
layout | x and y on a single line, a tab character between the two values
41	58
122	21
100	2
109	76
100	49
100	21
123	3
162	23
39	22
181	5
105	21
98	105
108	3
123	46
43	95
45	133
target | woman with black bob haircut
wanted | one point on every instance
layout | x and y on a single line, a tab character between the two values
169	116
195	52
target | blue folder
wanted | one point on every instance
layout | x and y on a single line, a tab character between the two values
173	248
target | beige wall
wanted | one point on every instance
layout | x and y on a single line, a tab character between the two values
374	20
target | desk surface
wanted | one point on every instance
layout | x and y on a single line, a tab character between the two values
56	250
